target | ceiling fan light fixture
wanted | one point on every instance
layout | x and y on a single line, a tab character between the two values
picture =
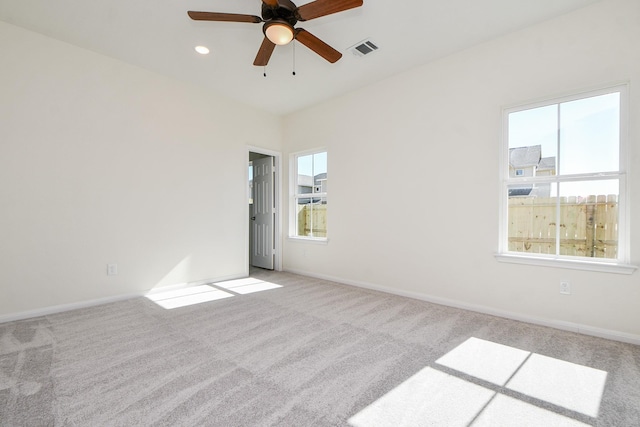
279	32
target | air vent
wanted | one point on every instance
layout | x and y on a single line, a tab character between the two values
363	48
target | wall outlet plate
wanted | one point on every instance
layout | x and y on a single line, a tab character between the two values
565	288
112	269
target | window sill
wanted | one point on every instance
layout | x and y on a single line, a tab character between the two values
604	267
313	240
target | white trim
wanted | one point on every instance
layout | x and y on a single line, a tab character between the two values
54	309
67	307
573	264
624	218
567	96
306	239
277	233
600	176
309	152
556	324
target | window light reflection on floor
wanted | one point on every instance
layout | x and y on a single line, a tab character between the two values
247	286
507	411
183	297
433	397
565	384
486	360
571	386
429	397
187	296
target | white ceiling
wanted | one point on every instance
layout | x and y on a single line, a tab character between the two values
159	36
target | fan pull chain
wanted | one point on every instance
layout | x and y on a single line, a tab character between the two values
294	57
264	73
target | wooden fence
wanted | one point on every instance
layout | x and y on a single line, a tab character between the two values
588	225
312	215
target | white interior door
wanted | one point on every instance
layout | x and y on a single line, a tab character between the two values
263	217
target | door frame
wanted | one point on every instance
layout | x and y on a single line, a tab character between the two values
277	201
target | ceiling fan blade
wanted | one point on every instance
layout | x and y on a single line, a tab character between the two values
320	8
264	53
226	17
272	3
317	45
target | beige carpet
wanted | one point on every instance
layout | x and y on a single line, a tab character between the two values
287	350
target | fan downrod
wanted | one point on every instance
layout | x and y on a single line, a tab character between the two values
285	11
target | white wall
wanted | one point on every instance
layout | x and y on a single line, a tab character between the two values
413	164
102	162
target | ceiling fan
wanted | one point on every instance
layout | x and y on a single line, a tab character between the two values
280	18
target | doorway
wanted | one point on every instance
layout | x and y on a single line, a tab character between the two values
264	210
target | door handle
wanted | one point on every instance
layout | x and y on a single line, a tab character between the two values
253	218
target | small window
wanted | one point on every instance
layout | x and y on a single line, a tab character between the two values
309	195
564	192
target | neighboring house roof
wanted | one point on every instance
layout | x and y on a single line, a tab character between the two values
523	191
547	163
305	180
321	176
522	157
309	181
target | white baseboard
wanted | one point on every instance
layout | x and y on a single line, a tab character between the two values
44	311
557	324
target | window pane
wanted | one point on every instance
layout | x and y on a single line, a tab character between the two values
532	219
303	217
590	135
320	172
533	141
312	217
320	163
305	174
319	220
589	218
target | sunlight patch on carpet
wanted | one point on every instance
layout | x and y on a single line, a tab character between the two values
247	286
571	386
429	397
486	360
187	296
565	384
433	397
507	411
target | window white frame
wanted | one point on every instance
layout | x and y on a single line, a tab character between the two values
294	195
619	265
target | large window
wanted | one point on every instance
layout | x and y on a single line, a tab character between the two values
564	179
309	194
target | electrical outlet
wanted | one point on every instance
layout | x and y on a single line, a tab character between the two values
112	269
565	288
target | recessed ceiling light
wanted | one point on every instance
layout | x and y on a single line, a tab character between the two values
202	50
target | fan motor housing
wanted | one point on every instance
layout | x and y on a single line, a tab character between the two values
284	11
